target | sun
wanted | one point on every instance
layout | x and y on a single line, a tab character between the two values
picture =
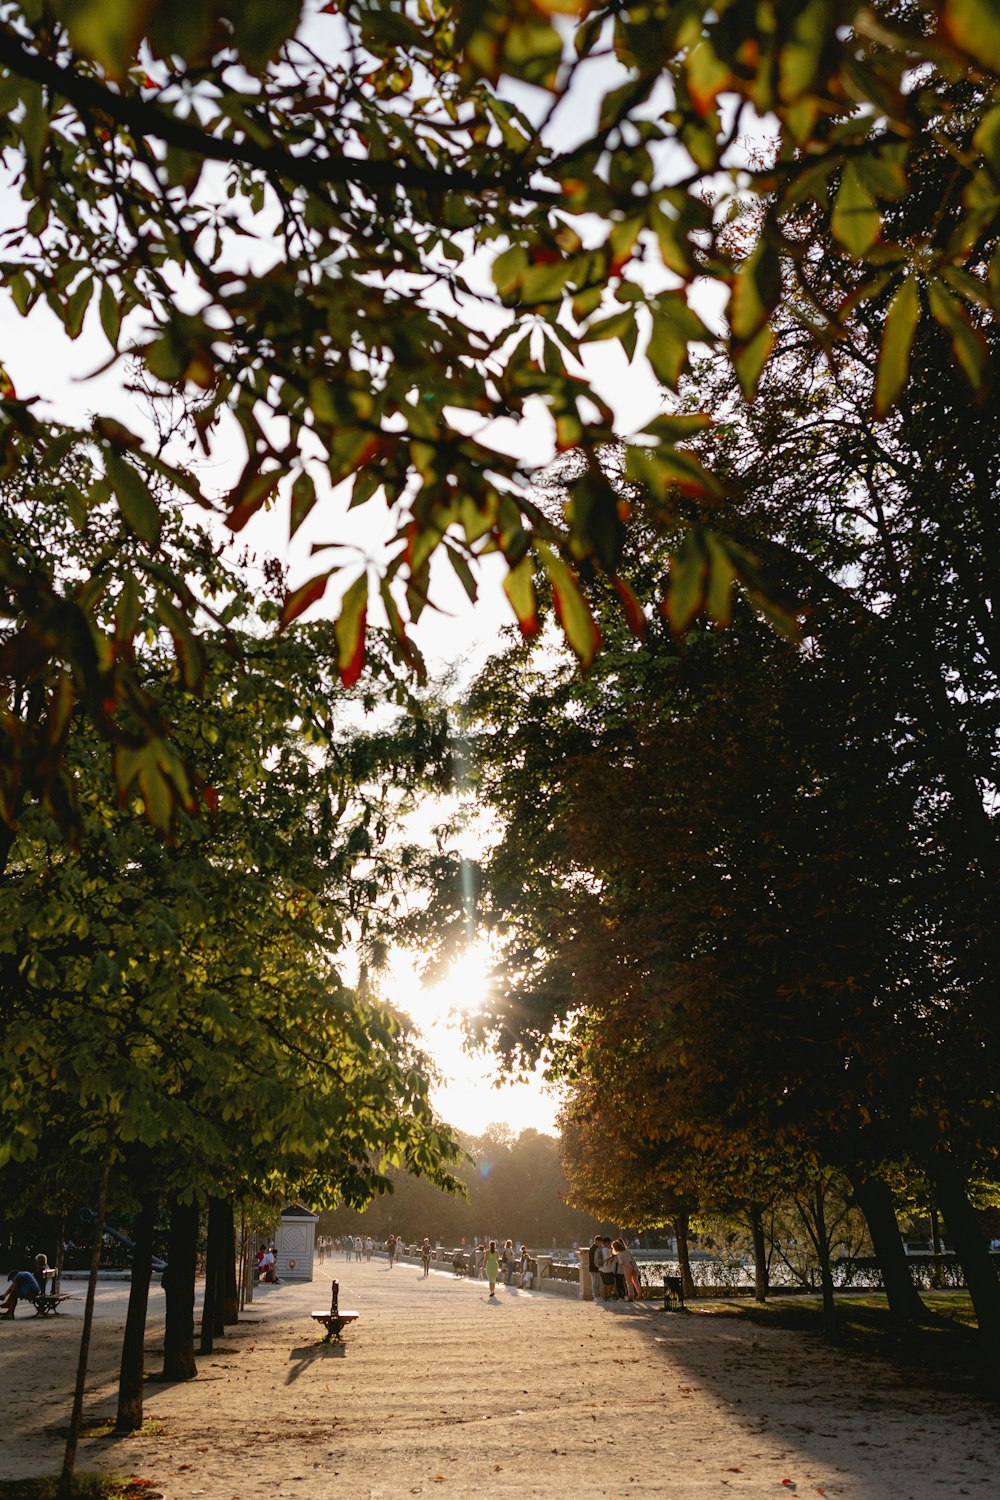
463	988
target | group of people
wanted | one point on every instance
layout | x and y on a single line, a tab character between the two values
25	1286
614	1275
358	1246
267	1264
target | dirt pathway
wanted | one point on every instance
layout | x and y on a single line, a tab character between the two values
437	1390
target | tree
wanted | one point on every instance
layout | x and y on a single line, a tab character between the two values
174	1022
749	839
389	161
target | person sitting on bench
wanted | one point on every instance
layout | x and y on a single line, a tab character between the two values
42	1271
22	1285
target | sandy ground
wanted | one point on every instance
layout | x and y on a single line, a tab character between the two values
437	1390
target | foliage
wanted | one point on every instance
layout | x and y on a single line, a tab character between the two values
182	1002
360	240
743	888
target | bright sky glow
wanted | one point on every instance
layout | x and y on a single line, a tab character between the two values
467	1096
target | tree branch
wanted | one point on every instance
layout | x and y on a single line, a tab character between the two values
143	119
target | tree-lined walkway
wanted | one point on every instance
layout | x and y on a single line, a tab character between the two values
436	1390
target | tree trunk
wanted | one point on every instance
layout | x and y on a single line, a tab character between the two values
76	1412
875	1201
825	1272
230	1300
130	1375
937	1276
760	1278
178	1285
967	1235
217	1241
683	1259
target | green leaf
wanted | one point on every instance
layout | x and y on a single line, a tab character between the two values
750	360
799	58
76	307
261	27
756	291
897	340
974	27
187	647
135	501
856	221
463	572
350	631
968	344
721	575
111	314
686	582
303	500
508	271
675	325
107	31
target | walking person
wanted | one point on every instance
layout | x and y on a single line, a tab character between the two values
425	1255
492	1268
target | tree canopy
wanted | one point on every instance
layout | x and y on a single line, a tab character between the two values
360	241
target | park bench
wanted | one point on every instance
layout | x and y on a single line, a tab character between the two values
47	1302
334	1320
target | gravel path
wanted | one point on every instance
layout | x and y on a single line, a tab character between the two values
437	1390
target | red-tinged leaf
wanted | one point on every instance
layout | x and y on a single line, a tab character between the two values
897	340
350	631
7	391
299	600
707	76
572	609
211	797
519	586
407	649
252	491
684	470
633	610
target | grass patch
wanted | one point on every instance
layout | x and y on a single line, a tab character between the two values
85	1487
944	1352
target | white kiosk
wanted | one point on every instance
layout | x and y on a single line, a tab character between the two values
294	1243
